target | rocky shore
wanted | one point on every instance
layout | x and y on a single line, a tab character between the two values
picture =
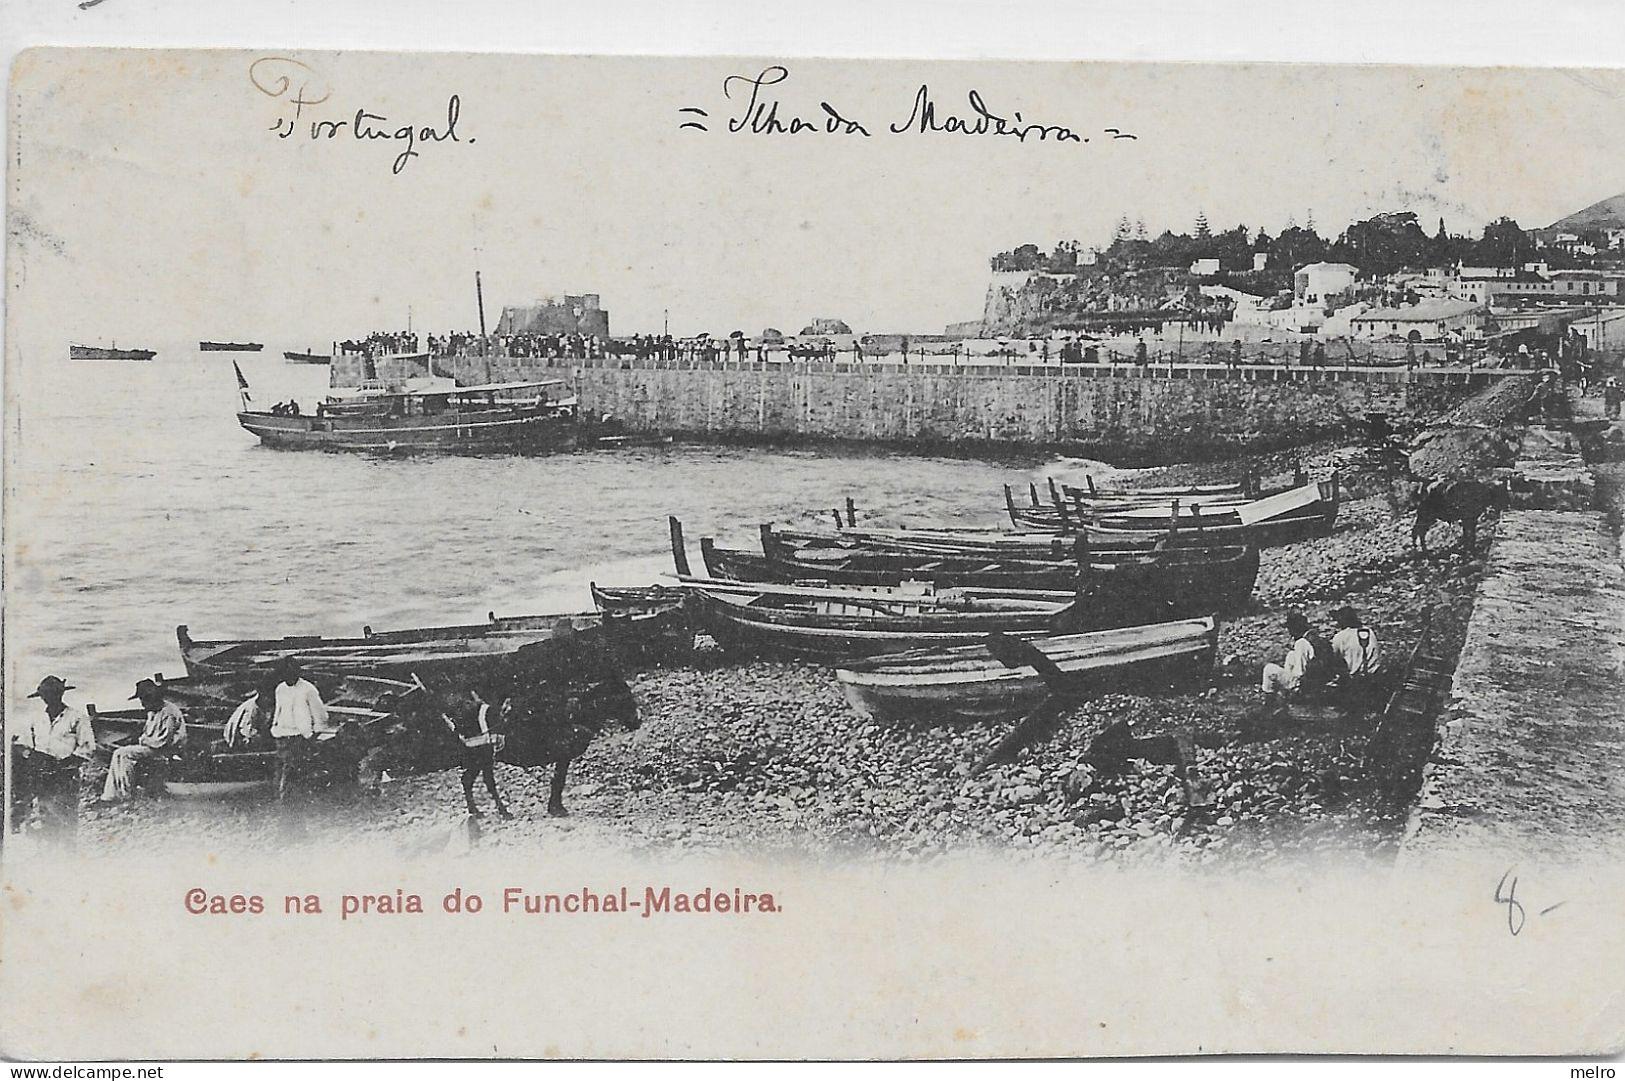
757	756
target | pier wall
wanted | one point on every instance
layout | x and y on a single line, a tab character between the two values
941	404
1528	754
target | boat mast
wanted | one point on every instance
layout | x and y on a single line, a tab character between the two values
479	298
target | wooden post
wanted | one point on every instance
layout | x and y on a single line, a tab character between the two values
679	552
851	512
1090	477
1080	554
1032	493
836	512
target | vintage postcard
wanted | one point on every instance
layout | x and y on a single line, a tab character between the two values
589	557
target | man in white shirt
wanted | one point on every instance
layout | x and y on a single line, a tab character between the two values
54	745
1355	647
165	732
298	718
1282	681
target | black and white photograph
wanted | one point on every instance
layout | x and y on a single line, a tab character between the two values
848	558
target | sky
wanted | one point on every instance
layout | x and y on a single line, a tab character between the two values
154	199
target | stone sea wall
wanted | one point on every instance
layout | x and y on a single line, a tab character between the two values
937	406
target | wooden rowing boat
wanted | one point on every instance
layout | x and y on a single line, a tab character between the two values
230	347
307	358
969	682
1178	580
1307	511
454	653
832	623
208	700
630	600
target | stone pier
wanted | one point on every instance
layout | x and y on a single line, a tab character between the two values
1530	758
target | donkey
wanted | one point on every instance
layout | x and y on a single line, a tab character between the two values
1461	501
544	707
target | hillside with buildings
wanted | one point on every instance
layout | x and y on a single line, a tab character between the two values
1386	277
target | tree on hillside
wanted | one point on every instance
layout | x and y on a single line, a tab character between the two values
1203	232
1297	246
1504	244
1383	244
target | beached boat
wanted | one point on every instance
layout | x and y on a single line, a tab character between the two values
1193	581
1307	511
944	541
833	623
1246	488
205	768
969	682
307	358
230	347
628	600
522	417
1064	512
454	653
209	698
100	352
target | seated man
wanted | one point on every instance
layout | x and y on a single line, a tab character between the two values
57	742
1298	670
250	723
165	731
1355	647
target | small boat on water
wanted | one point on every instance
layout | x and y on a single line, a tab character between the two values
101	352
230	347
307	358
969	682
429	416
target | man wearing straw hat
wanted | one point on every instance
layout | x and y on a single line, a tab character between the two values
165	730
56	743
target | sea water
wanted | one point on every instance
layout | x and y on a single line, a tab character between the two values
135	502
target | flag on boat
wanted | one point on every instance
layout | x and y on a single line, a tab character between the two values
242	386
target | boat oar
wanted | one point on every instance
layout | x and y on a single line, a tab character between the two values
1065	690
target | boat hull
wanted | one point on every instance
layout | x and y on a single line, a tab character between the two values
230	347
457	654
970	684
535	431
1178	581
307	358
96	352
797	632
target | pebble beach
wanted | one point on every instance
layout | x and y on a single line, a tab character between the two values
768	757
